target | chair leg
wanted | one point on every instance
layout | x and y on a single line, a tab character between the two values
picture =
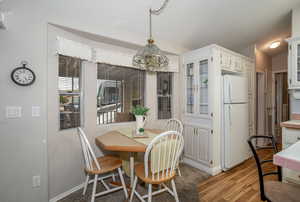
179	172
94	188
123	182
133	188
150	193
86	184
113	177
174	190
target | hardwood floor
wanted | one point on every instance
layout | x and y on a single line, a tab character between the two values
238	184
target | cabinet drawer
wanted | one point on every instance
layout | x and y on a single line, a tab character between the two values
291	175
291	138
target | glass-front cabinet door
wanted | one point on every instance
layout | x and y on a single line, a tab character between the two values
294	63
197	87
203	87
190	88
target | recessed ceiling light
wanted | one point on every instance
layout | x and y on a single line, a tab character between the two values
275	44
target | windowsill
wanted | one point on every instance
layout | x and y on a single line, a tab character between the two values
115	124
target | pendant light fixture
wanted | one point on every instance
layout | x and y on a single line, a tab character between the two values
151	57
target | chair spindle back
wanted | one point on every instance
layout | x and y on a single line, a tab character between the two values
90	159
164	152
174	125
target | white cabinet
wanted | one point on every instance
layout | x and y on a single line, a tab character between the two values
197	143
202	102
226	60
289	137
294	63
198	92
231	61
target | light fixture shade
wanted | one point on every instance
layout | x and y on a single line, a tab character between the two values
150	57
275	44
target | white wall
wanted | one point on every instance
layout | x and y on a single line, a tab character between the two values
280	62
295	22
23	148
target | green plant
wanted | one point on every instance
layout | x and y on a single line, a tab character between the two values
141	130
205	81
63	99
139	110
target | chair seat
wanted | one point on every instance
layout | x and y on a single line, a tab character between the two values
140	172
278	191
107	163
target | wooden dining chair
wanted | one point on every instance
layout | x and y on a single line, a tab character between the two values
175	125
274	191
160	160
99	166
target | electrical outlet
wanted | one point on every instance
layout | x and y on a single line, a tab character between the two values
36	181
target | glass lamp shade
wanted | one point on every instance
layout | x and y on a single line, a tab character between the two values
150	57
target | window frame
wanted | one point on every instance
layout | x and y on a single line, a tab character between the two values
171	96
79	94
101	125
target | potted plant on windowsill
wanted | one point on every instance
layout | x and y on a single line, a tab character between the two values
140	114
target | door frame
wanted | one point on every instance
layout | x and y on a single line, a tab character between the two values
274	98
262	96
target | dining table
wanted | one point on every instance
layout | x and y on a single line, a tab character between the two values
289	157
124	140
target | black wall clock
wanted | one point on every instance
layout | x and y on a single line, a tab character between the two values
23	76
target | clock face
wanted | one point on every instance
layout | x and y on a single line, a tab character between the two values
23	76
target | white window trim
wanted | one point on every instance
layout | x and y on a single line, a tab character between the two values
172	97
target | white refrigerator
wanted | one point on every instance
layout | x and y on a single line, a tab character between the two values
235	121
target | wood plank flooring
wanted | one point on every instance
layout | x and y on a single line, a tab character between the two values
238	184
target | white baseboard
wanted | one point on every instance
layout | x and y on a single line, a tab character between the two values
74	189
65	194
216	170
212	171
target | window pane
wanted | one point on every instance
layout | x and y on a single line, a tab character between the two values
69	111
164	93
203	84
69	92
189	88
118	90
69	71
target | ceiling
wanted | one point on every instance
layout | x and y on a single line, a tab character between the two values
231	23
195	23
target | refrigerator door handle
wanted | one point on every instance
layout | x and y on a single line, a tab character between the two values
230	122
229	92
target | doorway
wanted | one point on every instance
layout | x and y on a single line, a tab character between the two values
261	103
280	102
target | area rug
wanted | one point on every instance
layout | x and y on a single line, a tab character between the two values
187	188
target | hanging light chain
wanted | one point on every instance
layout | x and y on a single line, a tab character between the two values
158	11
155	12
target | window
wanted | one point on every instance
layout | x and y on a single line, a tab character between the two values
164	95
118	90
69	91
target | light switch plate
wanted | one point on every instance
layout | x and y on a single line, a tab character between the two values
36	111
13	112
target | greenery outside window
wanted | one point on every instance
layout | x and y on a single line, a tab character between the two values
119	89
